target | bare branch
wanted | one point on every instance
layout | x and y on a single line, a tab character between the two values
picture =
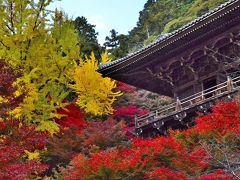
8	48
11	17
226	164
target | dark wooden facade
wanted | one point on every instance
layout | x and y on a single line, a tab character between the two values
188	61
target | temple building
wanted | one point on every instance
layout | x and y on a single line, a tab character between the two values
196	65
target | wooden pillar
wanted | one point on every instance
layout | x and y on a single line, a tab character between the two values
198	87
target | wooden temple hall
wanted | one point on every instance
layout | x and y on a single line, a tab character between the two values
196	65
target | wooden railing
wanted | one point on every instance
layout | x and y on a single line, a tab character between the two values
214	92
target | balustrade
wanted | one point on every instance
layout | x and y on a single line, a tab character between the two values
214	92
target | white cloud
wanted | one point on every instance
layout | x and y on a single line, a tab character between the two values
101	27
98	21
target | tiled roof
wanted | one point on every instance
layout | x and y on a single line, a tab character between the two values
167	36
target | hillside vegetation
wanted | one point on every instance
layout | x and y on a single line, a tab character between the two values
157	17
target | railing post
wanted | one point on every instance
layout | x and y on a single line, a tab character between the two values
229	84
178	105
203	95
136	121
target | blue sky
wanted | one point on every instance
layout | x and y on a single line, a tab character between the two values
121	15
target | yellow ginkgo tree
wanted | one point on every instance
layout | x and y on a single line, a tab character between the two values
105	58
43	52
95	93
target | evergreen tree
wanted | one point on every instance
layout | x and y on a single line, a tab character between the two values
87	37
112	41
117	44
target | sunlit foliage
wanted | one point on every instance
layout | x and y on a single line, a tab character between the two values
94	92
43	52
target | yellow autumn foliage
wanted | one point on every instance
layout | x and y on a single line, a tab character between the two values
95	93
105	58
43	54
25	108
32	155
